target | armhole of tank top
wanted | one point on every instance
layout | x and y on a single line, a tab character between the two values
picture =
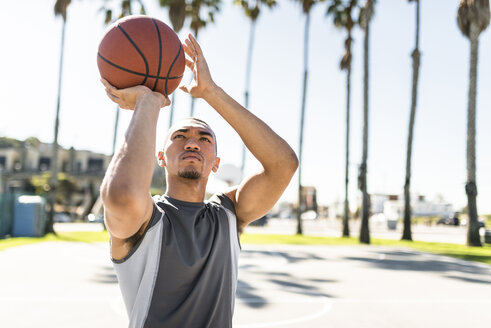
229	207
232	220
157	215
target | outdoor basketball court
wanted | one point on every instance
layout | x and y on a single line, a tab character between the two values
73	285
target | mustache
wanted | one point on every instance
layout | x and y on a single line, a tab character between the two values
191	152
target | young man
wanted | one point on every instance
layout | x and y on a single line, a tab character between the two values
176	256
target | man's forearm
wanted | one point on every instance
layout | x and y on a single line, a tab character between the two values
132	166
269	148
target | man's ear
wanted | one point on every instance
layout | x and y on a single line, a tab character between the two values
161	158
217	164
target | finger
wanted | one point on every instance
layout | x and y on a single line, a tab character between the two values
111	89
107	84
195	44
112	97
184	88
190	64
188	48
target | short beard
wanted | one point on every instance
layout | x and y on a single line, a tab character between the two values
191	174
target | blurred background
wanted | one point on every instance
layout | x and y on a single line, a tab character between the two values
279	76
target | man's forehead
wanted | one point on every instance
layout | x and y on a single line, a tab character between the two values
189	125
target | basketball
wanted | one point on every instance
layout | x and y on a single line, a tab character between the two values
140	50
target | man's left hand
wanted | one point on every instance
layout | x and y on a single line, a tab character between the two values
202	83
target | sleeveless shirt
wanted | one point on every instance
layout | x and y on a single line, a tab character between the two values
182	272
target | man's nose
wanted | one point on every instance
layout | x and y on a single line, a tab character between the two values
192	145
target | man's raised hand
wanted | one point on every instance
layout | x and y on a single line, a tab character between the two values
202	82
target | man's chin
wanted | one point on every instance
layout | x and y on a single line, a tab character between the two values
190	174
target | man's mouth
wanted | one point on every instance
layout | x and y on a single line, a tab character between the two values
192	156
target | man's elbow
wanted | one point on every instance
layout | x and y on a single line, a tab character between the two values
291	162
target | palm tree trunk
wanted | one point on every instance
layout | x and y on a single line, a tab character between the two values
115	134
364	230
54	165
247	85
406	234
473	238
302	120
346	181
171	114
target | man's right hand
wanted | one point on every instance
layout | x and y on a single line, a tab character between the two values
127	98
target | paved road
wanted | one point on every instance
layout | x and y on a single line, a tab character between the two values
330	227
58	284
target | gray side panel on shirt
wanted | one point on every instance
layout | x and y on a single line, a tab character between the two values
138	272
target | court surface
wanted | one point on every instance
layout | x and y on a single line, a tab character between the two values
58	284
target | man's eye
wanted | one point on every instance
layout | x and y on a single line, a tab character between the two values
178	136
206	139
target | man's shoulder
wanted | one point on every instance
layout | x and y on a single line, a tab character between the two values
223	200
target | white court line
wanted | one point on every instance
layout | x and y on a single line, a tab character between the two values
116	304
321	299
44	299
412	300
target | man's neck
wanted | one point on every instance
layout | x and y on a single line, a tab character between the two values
188	190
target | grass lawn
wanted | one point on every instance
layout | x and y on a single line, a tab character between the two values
78	236
479	254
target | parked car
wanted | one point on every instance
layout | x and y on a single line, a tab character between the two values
309	215
480	222
454	220
62	217
92	218
260	222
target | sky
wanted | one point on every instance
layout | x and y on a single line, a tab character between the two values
29	66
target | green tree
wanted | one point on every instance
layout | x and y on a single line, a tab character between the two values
306	9
177	16
406	234
179	10
60	9
366	14
252	11
342	13
473	18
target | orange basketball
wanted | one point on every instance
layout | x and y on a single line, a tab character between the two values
140	50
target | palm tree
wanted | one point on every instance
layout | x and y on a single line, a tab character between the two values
366	14
406	234
306	9
473	18
251	11
342	15
126	10
177	15
179	10
60	10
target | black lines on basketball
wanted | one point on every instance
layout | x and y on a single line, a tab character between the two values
139	51
172	65
137	73
160	56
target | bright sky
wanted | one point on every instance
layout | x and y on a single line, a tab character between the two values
29	72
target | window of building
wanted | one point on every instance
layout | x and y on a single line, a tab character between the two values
44	163
96	165
3	163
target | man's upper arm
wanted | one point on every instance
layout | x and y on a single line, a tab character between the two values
257	194
125	219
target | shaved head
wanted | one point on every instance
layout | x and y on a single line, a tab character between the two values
193	121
